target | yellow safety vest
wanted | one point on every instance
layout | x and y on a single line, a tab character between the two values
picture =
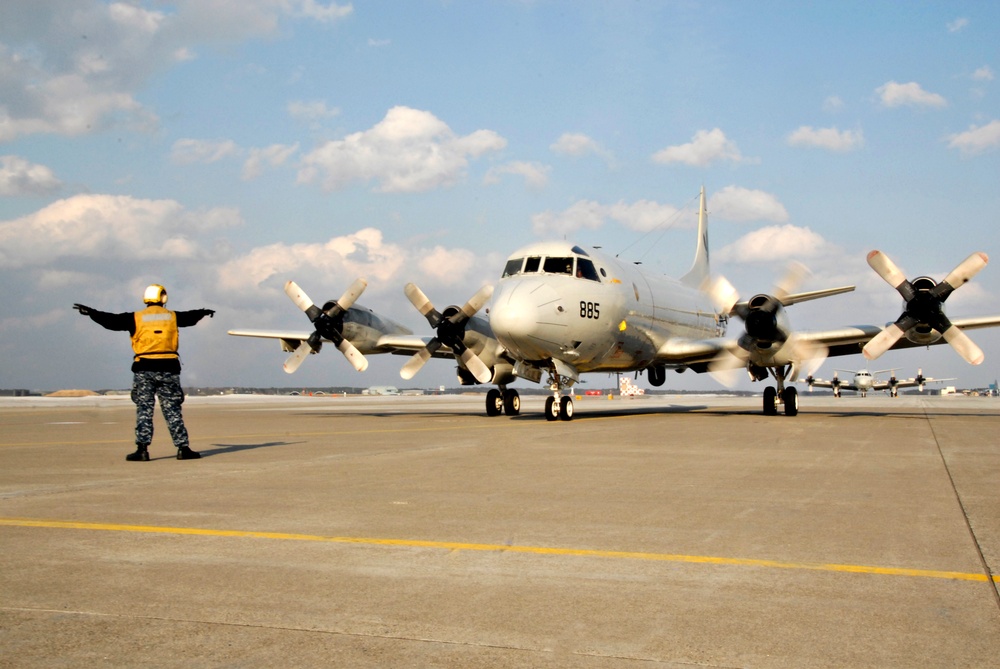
155	333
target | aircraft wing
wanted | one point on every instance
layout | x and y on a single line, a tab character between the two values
849	340
398	344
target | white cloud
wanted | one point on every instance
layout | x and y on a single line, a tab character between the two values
408	151
642	216
72	72
706	147
578	144
447	265
190	151
776	242
107	228
535	175
272	156
733	203
957	25
976	140
833	104
983	74
328	13
262	272
831	139
311	112
361	254
894	94
19	177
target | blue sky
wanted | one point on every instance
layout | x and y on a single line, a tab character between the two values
221	147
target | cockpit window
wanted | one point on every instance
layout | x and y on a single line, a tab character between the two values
558	266
585	269
513	267
531	264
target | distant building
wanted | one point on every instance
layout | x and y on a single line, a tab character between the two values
381	390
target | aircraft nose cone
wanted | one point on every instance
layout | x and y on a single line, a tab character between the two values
527	318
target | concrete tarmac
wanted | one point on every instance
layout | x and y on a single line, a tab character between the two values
417	532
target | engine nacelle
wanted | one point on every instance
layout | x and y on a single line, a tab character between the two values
766	321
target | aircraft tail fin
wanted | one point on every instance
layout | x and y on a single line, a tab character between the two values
699	271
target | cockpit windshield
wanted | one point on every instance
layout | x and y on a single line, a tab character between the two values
581	268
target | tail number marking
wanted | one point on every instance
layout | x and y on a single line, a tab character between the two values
590	309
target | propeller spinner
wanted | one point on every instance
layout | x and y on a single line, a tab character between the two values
450	332
925	306
329	324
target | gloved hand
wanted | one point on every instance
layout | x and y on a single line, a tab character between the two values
83	309
207	312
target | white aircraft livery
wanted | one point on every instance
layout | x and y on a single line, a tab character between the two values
560	310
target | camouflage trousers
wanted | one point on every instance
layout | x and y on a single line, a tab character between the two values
146	387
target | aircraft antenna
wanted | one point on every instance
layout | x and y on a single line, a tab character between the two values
662	228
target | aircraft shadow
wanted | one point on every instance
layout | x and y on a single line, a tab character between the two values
221	449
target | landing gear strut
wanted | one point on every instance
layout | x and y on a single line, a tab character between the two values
782	395
558	405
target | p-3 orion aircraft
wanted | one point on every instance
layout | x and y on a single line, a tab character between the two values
560	310
863	381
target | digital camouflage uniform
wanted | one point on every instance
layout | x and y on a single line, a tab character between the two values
156	369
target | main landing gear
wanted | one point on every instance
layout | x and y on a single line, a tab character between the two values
782	396
503	400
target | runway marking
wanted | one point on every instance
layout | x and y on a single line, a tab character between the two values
531	550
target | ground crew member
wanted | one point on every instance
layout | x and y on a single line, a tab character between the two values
156	367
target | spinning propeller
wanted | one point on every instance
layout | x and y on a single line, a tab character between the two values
768	339
450	328
925	306
329	323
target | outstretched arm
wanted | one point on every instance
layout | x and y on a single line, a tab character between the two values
124	321
189	318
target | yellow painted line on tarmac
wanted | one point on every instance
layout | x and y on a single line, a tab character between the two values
530	550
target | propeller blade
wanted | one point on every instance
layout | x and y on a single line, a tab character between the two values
722	293
353	292
475	366
792	279
725	368
301	300
353	355
962	274
475	303
419	300
416	363
965	346
887	269
803	355
883	341
296	358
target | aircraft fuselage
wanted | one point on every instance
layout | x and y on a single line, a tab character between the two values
583	308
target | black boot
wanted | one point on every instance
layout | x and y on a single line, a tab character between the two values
185	453
140	455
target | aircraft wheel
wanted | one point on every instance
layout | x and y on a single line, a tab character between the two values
551	408
512	403
494	402
770	401
566	408
791	398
